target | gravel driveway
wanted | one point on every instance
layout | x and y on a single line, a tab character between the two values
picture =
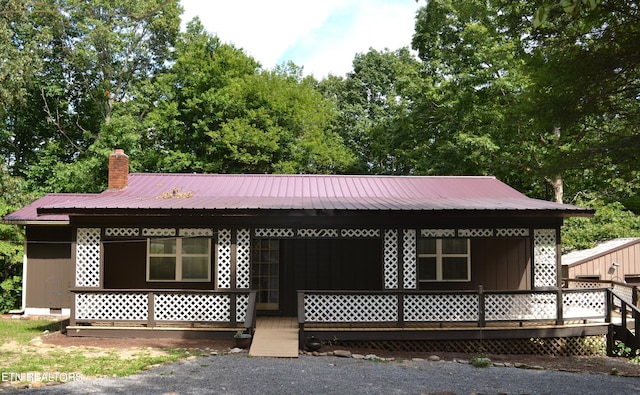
240	374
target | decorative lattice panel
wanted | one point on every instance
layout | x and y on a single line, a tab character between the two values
391	259
535	306
350	308
512	232
360	233
589	304
318	233
88	257
191	307
121	232
625	292
475	232
224	258
556	346
195	232
544	258
111	306
584	284
409	259
437	232
242	304
159	232
243	258
441	308
274	232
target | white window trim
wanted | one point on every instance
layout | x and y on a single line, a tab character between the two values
178	255
439	255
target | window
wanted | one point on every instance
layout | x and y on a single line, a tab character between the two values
444	260
177	259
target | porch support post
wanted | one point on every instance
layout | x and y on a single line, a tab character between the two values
559	307
301	318
151	322
481	307
234	255
233	301
72	313
400	263
401	296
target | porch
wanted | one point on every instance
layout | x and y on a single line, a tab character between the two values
408	317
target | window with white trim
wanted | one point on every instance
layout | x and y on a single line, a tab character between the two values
444	259
179	259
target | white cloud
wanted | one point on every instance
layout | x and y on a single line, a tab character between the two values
323	36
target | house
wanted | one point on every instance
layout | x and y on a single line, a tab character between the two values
180	254
612	260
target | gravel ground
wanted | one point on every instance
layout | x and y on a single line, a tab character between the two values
240	374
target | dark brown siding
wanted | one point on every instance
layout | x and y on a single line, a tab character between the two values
496	264
336	264
125	267
49	267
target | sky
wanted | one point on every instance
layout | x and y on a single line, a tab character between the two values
322	36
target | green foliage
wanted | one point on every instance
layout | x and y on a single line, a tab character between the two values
12	197
481	362
10	294
611	220
216	111
622	350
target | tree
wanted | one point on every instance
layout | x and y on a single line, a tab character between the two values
549	110
11	242
88	55
586	75
468	109
374	102
216	110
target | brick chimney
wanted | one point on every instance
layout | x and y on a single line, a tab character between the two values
118	170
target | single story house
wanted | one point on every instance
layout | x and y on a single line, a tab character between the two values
172	253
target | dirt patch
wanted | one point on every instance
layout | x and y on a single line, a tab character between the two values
600	364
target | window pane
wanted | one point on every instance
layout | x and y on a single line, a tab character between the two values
162	268
162	246
454	246
454	268
195	246
195	268
427	268
426	246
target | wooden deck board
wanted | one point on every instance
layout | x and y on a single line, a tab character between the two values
275	337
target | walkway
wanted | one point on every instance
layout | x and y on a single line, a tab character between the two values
275	337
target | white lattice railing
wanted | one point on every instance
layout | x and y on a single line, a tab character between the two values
152	307
521	306
584	304
404	307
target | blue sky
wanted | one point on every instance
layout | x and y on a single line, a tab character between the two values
323	36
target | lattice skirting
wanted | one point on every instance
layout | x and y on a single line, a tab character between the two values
557	346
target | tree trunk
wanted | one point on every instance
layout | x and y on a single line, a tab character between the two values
558	189
556	180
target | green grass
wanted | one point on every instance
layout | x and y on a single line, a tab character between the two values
18	356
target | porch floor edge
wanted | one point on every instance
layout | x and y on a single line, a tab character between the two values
149	333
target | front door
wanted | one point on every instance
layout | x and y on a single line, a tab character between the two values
265	274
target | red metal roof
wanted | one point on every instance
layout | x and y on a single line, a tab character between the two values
309	192
29	213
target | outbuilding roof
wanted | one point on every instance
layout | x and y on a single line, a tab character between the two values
162	192
606	247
